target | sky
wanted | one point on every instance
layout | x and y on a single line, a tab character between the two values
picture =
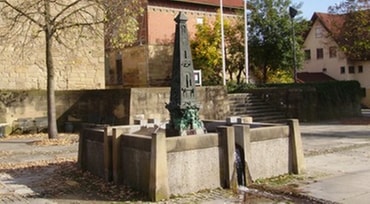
311	6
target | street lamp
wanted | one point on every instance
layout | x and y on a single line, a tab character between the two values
292	13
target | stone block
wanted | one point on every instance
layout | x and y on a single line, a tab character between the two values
232	120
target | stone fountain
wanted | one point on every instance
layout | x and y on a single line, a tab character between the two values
183	108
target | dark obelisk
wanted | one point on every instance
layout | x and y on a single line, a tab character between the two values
184	118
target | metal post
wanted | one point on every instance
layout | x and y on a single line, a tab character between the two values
294	54
223	44
293	13
246	43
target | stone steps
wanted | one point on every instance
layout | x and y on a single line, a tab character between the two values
252	105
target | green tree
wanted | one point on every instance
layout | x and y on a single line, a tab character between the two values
270	37
235	55
354	32
55	20
206	51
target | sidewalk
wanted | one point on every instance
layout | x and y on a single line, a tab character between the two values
338	161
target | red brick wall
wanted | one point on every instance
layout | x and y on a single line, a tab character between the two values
151	63
161	14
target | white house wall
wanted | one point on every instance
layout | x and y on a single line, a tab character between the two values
333	65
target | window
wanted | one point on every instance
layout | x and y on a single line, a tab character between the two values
307	54
360	69
318	32
199	20
351	69
319	53
342	70
332	52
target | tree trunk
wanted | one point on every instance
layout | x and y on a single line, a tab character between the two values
239	74
264	80
52	129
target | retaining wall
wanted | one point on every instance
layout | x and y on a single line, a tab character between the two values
112	106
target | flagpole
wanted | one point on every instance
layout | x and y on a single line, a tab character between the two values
246	43
223	44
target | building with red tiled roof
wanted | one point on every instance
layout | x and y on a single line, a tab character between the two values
149	61
331	22
323	53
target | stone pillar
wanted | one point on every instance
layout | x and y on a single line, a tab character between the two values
243	138
81	149
232	120
141	122
297	156
245	119
227	144
108	153
116	155
158	181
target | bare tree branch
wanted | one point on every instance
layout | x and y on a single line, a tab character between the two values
22	13
64	10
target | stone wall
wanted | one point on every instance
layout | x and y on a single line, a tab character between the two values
79	63
76	107
142	66
112	106
160	63
187	175
160	166
33	104
366	100
91	151
150	103
271	141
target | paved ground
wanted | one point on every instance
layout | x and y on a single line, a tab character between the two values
337	159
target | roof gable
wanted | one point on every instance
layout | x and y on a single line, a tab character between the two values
350	31
331	22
